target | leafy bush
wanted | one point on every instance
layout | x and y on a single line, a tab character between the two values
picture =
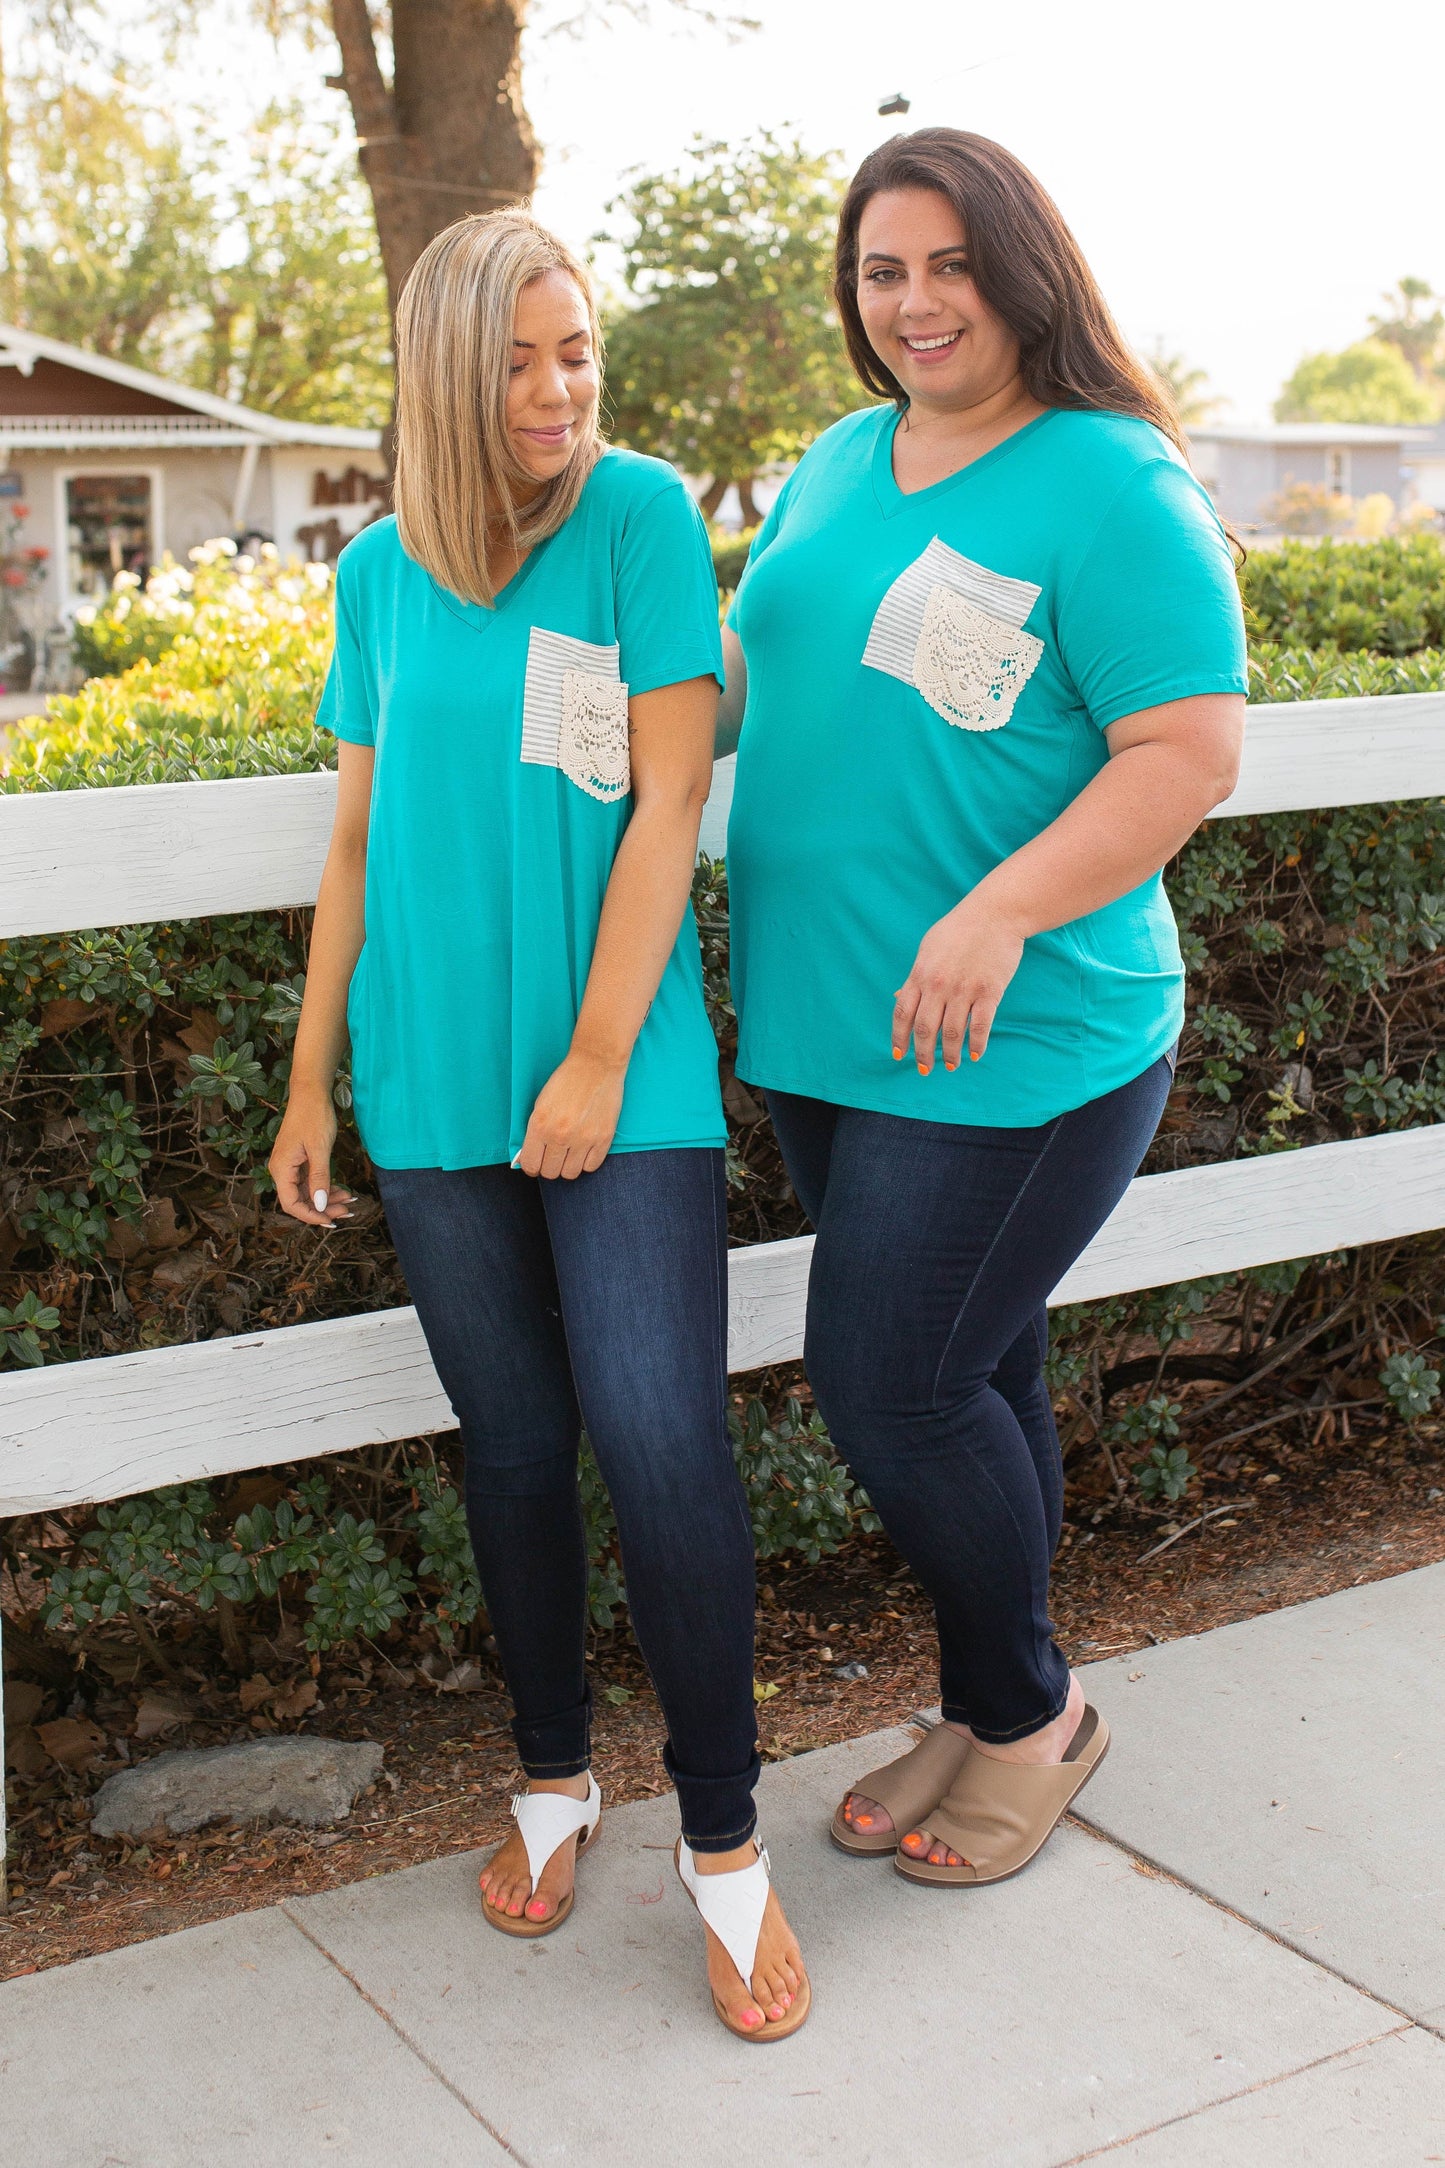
1386	596
143	1071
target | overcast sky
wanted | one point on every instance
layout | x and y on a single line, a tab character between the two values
1246	178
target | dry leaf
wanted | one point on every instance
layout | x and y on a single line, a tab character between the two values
182	1271
157	1713
254	1691
23	1700
24	1755
73	1741
63	1015
298	1701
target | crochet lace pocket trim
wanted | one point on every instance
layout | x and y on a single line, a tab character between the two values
574	713
970	666
592	746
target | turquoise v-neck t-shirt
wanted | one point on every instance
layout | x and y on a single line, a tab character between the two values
500	794
930	676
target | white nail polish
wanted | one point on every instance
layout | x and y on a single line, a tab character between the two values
319	1200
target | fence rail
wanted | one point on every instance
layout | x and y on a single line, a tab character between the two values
80	1432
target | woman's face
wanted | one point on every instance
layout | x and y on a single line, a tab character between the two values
553	390
924	317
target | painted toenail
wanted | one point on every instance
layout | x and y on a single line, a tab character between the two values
537	1908
776	2011
750	2017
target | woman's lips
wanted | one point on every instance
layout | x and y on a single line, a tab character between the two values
548	436
936	346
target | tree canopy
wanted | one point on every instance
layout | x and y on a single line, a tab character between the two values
725	355
1369	382
253	274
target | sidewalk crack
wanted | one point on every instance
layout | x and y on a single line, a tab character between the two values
405	2037
1149	1865
1260	2085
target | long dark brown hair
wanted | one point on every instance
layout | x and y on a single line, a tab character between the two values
1026	265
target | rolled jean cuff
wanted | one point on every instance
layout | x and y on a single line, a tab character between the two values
717	1812
991	1736
556	1746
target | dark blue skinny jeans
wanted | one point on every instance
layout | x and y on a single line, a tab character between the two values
548	1305
937	1248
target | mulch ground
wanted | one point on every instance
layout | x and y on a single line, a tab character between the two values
1292	1527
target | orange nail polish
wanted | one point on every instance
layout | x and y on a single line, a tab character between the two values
972	1056
896	1055
950	1066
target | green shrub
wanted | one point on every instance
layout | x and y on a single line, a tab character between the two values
729	555
1387	596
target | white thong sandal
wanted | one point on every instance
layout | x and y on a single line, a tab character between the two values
732	1905
546	1820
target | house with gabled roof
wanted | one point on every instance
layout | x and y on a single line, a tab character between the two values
116	466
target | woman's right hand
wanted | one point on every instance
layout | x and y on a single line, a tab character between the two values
300	1162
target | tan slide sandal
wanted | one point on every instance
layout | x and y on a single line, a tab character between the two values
732	1906
998	1814
907	1788
546	1820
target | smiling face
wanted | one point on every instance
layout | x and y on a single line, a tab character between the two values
554	385
924	317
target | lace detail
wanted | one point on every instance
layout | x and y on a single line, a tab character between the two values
592	749
969	666
574	713
898	622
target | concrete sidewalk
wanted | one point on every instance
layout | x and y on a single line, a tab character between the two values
1237	1958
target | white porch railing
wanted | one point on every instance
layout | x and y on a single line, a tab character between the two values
74	1433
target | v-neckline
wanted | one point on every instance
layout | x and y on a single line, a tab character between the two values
481	615
892	500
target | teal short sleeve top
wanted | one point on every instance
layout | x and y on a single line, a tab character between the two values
929	679
501	791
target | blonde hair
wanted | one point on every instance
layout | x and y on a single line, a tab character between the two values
456	471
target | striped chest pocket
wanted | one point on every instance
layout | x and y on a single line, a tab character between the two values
953	630
574	713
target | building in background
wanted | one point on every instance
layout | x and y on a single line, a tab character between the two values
1251	470
116	466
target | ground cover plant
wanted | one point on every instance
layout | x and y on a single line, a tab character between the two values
143	1072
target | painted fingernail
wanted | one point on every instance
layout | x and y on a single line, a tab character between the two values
974	1057
318	1198
897	1055
950	1066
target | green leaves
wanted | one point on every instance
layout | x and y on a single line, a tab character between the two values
22	1327
1412	1385
1166	1474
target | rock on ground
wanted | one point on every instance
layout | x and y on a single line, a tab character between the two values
312	1782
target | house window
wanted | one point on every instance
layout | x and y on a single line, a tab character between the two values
109	524
1337	471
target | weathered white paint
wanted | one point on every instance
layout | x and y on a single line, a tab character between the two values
186	850
1314	753
104	1429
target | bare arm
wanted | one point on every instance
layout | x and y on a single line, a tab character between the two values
300	1161
572	1124
1167	768
735	695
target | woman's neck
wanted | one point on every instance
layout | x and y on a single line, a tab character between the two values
935	440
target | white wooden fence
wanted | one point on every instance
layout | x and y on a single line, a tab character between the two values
74	1433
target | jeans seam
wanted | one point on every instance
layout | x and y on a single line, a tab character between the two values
715	1840
558	1768
1020	1731
983	1263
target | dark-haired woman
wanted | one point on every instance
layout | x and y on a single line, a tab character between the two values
994	672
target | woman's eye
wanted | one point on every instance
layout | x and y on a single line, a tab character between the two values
958	264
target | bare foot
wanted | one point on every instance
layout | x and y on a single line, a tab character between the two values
870	1820
506	1880
778	1968
1046	1747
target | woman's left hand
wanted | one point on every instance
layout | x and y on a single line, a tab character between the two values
574	1120
959	977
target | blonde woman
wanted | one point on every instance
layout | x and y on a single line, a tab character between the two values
524	688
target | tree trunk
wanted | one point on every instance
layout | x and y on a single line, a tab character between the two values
450	135
713	496
751	515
